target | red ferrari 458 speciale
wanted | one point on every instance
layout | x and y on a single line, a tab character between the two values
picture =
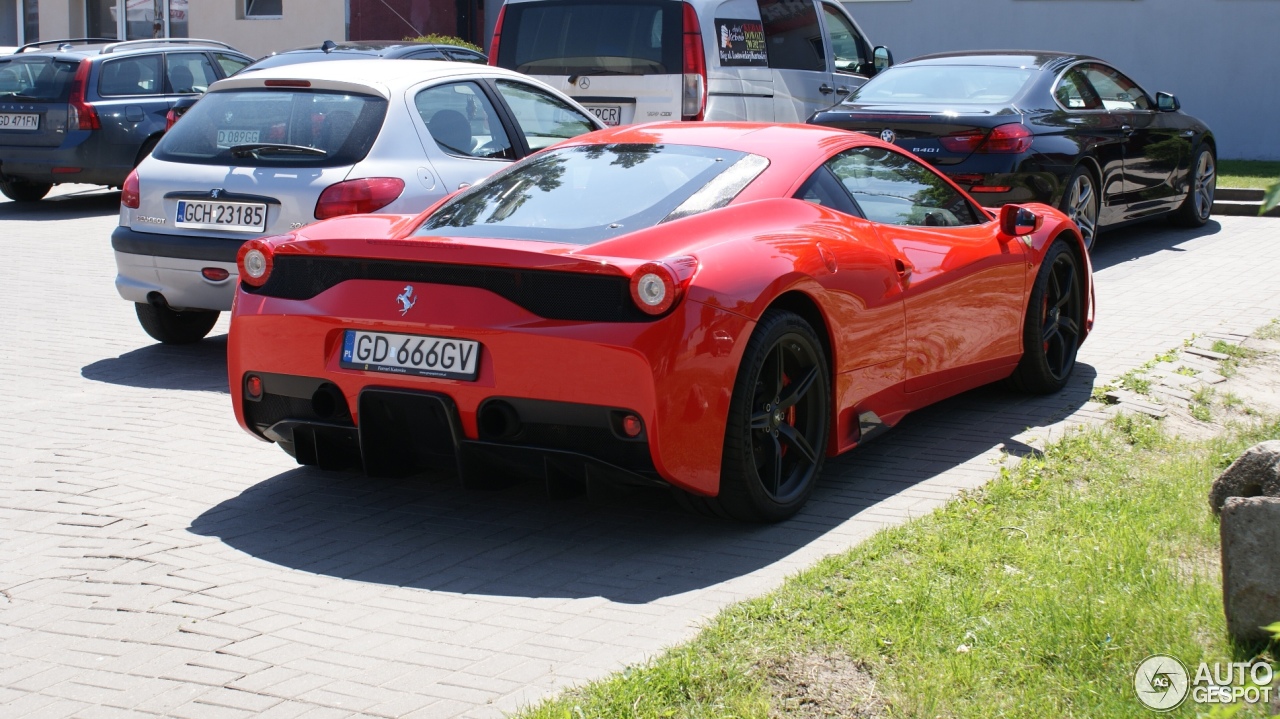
713	307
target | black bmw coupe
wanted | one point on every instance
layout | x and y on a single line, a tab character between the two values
1028	126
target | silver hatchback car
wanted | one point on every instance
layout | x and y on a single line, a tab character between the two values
268	151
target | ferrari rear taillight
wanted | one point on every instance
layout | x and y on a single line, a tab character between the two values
656	287
254	261
80	114
497	35
693	103
1009	139
356	197
131	192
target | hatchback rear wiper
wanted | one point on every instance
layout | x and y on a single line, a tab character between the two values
253	148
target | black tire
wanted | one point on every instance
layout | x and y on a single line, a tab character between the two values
23	191
1202	183
779	418
175	328
1054	324
1082	203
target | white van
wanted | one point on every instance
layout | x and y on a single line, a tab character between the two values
634	61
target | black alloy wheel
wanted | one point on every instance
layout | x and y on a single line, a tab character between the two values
1054	324
779	417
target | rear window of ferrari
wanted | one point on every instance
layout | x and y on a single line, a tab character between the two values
585	194
276	127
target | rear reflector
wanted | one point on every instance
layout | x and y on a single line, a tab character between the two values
66	170
990	188
253	387
215	274
632	426
287	83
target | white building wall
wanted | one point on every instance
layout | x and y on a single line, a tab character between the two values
1220	57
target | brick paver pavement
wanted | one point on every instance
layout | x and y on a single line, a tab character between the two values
156	560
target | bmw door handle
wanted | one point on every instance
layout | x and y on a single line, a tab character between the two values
1188	133
825	89
1127	130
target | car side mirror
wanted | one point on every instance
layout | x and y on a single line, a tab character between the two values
882	58
1016	221
1167	102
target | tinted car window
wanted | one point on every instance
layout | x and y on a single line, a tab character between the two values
231	64
896	190
339	129
466	56
571	37
847	45
37	79
585	194
544	119
1075	93
131	76
952	84
189	72
1116	91
792	35
822	188
462	121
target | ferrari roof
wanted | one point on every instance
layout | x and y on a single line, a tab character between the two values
774	142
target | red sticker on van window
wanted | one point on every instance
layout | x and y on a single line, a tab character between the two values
741	43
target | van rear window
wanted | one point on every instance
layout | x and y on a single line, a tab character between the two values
588	37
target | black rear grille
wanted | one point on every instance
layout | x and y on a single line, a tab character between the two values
548	294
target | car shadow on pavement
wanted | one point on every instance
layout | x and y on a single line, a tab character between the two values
1147	238
201	366
98	202
634	547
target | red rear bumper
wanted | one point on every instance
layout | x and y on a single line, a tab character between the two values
675	373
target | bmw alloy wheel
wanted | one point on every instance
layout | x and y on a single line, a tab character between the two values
1206	183
1082	207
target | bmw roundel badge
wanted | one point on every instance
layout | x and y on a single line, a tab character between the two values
888	135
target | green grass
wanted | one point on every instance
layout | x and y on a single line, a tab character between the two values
1201	406
1057	579
1248	173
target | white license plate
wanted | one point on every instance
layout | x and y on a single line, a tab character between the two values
609	114
231	138
11	121
419	355
233	216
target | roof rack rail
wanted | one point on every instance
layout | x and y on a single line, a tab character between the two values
125	44
69	41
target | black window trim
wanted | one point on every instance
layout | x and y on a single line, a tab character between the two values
499	107
823	168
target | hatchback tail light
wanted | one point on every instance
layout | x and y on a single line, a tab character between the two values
355	197
80	114
255	261
497	35
693	104
130	191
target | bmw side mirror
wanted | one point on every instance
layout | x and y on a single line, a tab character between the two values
882	58
1016	221
1167	102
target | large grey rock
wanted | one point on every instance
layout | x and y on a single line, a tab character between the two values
1255	474
1251	565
